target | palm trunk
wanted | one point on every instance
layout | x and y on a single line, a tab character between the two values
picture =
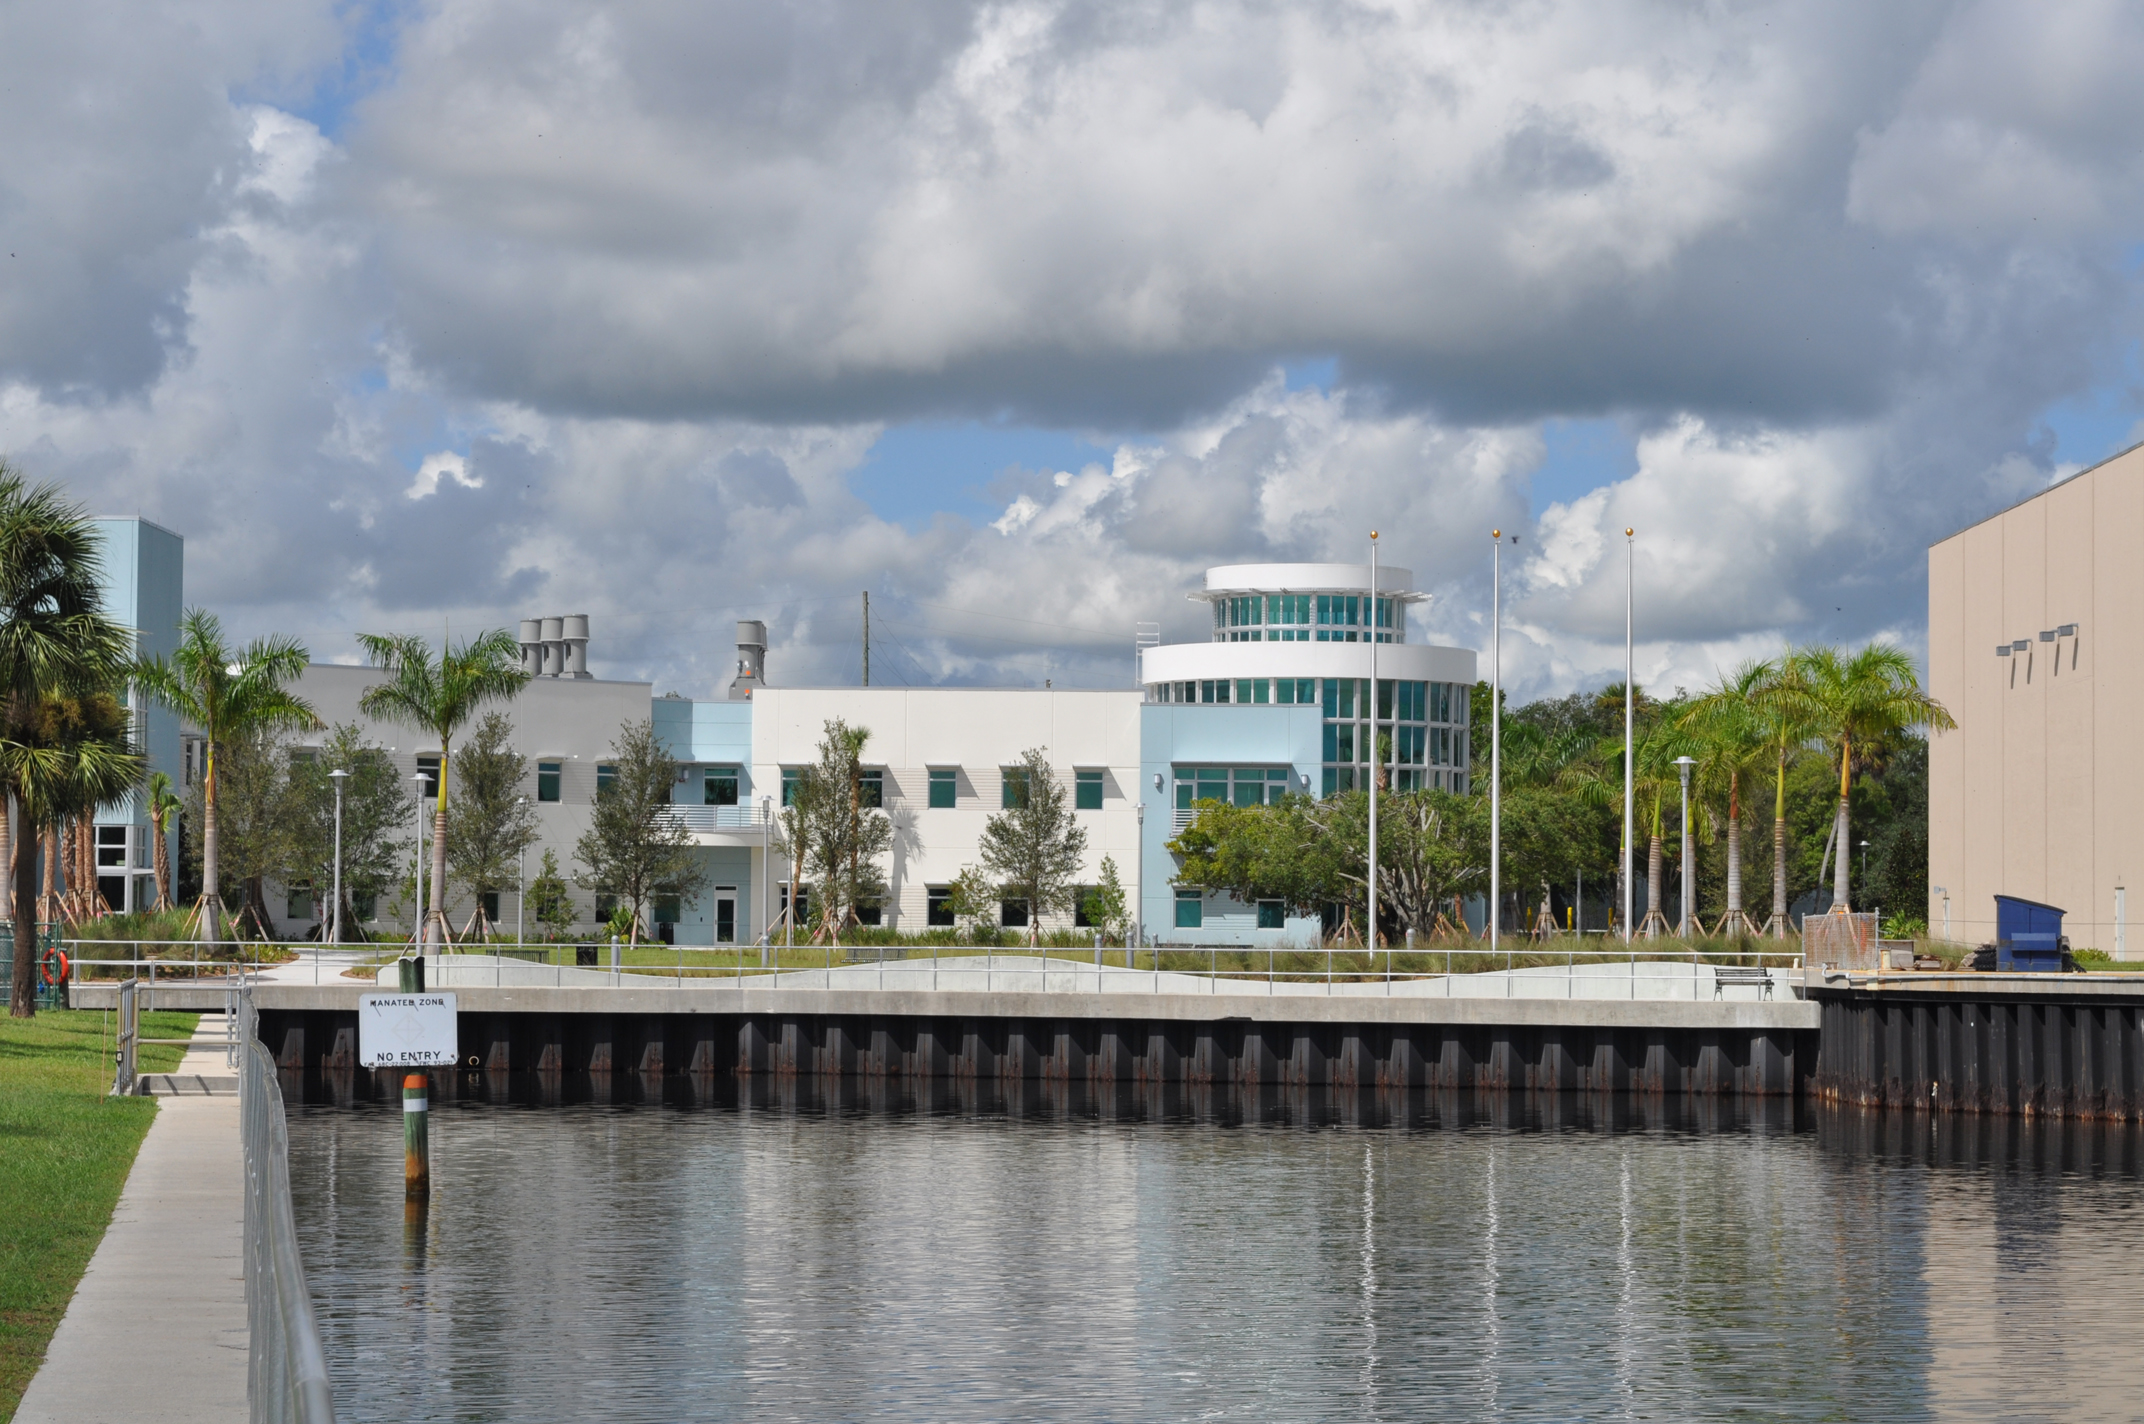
1839	903
1779	877
22	989
51	901
211	906
162	850
438	910
1655	869
7	857
1734	849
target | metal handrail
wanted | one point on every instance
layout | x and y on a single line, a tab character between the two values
286	1374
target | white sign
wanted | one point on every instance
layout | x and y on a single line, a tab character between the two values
406	1031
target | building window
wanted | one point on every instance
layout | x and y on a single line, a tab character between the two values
548	776
791	775
1087	790
871	791
938	906
491	907
298	902
606	906
428	768
1014	791
944	790
1081	920
1012	914
112	845
1272	915
364	904
606	775
1190	909
720	785
803	916
667	910
870	912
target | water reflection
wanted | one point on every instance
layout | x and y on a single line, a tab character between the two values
663	1249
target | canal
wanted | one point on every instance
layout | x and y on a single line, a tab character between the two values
1056	1256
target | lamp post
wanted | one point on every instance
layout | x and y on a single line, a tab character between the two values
1131	951
521	891
2117	916
1864	866
1630	565
335	910
1689	889
1375	761
766	872
1496	738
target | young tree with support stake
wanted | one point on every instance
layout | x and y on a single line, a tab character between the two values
226	695
438	696
491	823
1034	847
634	847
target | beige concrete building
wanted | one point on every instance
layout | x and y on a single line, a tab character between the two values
2036	645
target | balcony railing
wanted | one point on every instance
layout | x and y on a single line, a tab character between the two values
701	820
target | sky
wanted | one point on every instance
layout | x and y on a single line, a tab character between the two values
1018	316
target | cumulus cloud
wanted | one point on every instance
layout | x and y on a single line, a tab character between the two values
603	307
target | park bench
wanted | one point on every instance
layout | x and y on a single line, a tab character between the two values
1755	975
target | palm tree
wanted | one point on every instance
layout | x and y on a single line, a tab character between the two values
1598	781
1733	731
1860	706
54	641
225	695
163	804
440	696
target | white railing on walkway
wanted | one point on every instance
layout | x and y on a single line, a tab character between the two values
287	1374
1557	969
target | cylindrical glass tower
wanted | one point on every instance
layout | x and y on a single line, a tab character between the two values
1322	617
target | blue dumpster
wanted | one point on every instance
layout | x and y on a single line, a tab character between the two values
2028	935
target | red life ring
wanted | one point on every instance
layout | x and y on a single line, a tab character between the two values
45	968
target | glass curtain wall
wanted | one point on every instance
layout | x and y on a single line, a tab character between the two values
1306	617
1422	726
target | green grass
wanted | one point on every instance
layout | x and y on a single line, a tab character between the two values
65	1149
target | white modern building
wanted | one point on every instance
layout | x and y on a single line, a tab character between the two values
1278	699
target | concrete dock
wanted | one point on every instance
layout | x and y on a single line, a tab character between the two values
157	1328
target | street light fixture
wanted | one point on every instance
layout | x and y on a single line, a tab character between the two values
1689	888
1864	867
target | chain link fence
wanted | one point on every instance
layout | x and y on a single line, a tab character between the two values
1837	941
287	1377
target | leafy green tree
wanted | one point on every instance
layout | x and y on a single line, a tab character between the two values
229	696
1106	905
973	899
491	823
1861	706
1034	848
375	812
550	903
634	847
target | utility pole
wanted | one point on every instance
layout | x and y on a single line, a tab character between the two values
867	637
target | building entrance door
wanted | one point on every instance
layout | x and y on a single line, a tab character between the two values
725	914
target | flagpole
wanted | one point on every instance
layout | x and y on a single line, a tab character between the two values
1629	720
1370	929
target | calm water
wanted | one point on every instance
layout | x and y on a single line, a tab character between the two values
1429	1257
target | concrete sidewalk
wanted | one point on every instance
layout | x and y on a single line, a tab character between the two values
157	1328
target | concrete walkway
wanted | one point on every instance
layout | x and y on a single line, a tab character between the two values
157	1328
